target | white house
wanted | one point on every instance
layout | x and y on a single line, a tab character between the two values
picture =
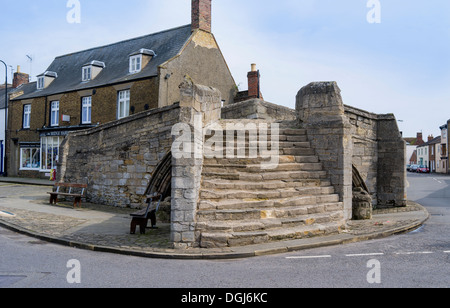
442	153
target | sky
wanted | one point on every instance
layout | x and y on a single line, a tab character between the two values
387	56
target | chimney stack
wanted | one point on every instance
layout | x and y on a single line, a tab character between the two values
419	139
201	15
20	78
253	82
430	138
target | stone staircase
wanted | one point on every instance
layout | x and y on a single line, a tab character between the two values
243	204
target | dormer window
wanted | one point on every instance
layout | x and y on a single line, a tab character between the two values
44	80
40	83
140	59
91	70
86	73
135	64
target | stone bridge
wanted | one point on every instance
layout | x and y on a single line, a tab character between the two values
246	173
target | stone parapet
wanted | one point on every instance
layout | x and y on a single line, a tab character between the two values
258	109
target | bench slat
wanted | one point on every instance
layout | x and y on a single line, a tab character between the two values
65	194
74	185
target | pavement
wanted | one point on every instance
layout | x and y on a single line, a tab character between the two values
25	208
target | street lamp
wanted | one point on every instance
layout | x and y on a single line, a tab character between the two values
6	116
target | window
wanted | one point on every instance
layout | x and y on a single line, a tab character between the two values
49	152
54	113
30	158
40	83
123	104
135	64
86	108
86	73
26	116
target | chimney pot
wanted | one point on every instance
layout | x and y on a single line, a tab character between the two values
253	67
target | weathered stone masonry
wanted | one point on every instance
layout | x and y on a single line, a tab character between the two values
322	142
117	159
344	136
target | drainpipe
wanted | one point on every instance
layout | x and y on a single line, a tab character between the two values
5	173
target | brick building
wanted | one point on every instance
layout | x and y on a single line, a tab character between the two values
442	155
85	89
428	153
16	88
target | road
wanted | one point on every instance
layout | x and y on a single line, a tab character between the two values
417	259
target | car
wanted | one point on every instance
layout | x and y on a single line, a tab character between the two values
423	169
413	168
408	167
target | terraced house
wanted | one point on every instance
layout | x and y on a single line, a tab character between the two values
88	88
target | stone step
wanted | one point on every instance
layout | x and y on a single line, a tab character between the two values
268	224
255	127
266	176
248	161
289	139
234	239
266	204
297	151
250	185
233	168
245	193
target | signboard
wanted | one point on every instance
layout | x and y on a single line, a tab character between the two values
53	134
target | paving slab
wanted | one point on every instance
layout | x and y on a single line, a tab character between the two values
25	208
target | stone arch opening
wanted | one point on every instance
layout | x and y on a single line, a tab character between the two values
361	200
161	181
357	180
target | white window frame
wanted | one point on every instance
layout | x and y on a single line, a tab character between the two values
86	105
54	113
49	151
32	153
26	116
40	83
135	64
123	104
87	73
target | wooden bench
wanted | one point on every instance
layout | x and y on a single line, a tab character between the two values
141	217
77	191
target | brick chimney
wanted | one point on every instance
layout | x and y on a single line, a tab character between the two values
430	138
254	90
419	139
201	15
20	78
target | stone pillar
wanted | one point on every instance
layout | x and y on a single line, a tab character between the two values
200	106
391	179
321	111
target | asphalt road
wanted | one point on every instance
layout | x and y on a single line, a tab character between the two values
417	259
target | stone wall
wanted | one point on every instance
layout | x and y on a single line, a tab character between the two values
379	155
365	146
344	136
258	109
321	112
203	61
117	159
200	106
391	180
